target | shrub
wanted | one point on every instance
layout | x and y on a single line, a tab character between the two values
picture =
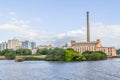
69	55
79	57
72	55
96	55
84	58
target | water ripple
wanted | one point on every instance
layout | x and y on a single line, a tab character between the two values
44	70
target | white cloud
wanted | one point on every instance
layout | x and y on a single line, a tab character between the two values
109	34
23	31
12	13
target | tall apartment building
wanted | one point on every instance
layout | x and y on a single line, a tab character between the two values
29	45
33	45
26	44
3	45
14	44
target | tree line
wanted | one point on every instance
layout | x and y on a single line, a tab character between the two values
11	54
59	54
56	54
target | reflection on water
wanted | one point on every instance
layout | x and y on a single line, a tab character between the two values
112	58
44	70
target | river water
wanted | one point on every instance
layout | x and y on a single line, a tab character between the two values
45	70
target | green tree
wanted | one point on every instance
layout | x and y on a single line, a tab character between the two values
79	57
1	53
56	54
27	52
69	55
19	51
10	54
43	51
87	52
96	55
23	51
72	55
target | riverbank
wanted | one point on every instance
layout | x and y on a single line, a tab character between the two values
26	58
2	58
30	58
39	57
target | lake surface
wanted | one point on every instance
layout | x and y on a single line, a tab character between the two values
44	70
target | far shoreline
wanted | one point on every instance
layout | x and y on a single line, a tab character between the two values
42	58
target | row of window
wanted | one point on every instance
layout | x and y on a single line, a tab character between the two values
82	49
109	50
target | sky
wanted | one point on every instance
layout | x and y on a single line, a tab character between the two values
58	22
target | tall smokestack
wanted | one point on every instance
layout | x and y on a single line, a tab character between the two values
88	28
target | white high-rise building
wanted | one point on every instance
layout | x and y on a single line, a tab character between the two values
3	45
28	44
33	45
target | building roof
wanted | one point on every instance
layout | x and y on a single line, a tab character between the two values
85	43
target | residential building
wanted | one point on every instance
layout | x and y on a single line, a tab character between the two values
26	44
33	45
3	45
14	44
